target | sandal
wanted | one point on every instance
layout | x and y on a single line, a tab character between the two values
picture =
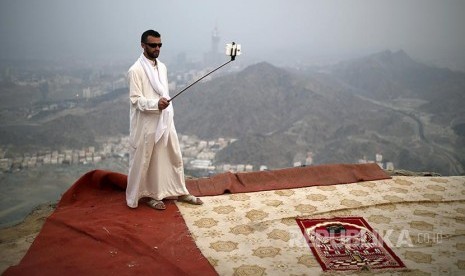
156	204
190	199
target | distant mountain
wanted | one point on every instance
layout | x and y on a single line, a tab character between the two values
394	76
280	116
385	103
77	127
389	75
260	99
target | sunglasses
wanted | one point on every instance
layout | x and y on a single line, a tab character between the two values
154	45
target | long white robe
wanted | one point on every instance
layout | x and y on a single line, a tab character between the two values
155	169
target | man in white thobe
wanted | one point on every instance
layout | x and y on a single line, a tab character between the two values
156	170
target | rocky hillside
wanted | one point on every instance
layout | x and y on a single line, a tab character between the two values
280	116
385	103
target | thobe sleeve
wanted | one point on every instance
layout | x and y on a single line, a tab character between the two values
138	100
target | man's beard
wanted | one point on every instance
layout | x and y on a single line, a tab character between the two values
153	55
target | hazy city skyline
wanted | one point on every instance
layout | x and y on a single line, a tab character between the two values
274	31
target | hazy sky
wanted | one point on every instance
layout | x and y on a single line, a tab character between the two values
285	30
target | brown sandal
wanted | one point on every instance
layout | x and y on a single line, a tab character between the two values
156	204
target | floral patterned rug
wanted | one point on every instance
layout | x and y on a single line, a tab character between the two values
422	219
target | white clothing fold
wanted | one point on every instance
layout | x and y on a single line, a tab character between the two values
160	86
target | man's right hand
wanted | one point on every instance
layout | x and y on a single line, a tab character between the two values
163	103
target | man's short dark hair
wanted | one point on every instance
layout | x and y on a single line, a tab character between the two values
148	33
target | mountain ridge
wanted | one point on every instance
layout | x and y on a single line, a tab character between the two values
279	115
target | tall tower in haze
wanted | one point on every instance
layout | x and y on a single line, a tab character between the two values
215	40
213	57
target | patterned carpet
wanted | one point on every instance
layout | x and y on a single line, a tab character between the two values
421	218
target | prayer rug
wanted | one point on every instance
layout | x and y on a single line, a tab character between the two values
349	243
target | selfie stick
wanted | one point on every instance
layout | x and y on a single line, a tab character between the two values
232	50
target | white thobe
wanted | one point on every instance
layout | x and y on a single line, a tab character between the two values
155	169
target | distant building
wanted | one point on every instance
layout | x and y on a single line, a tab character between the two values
389	166
213	57
200	164
5	164
226	167
309	159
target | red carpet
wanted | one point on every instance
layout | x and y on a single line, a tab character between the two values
93	232
344	244
297	177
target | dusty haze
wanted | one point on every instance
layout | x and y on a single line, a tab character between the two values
281	32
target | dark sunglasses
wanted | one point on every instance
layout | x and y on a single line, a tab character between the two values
154	45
